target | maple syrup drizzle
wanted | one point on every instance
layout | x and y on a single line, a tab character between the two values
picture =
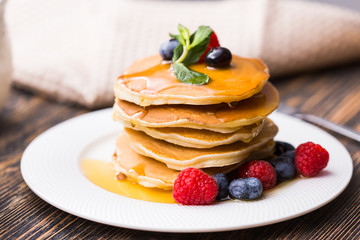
247	108
140	114
102	174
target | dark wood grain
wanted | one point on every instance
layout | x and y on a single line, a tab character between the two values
333	94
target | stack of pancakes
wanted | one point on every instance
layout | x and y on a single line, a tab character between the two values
170	125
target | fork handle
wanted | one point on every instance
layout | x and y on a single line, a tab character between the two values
343	130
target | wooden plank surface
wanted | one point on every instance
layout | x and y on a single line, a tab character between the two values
333	94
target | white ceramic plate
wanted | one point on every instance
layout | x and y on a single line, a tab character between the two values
51	168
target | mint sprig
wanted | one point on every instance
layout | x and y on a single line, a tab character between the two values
188	52
188	76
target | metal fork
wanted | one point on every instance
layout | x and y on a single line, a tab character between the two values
343	130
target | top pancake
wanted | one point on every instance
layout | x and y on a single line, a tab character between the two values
150	81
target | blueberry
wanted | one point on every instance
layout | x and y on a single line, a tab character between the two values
284	167
290	154
167	49
281	147
218	57
223	184
246	188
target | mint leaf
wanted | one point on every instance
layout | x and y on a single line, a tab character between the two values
177	52
179	38
185	75
185	34
194	54
202	34
195	45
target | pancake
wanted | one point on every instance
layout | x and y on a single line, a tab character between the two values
219	117
151	81
151	173
188	137
143	170
178	157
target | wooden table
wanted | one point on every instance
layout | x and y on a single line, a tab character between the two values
333	94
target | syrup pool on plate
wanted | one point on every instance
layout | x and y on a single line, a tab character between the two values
102	174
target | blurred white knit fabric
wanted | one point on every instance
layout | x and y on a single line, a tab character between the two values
73	50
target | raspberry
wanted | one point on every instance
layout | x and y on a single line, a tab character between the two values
310	159
260	169
194	187
214	42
